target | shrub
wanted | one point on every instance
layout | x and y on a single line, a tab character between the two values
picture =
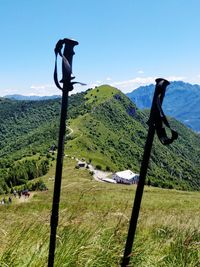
37	186
98	167
107	168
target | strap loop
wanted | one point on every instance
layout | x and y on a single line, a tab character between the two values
160	121
67	70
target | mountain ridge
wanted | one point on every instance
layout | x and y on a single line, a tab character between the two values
182	101
30	98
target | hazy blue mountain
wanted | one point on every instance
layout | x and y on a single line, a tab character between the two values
182	101
31	98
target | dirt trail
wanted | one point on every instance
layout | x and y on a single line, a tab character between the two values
71	131
97	174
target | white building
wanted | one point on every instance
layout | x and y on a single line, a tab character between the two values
126	177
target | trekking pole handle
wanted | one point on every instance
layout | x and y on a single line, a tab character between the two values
161	85
67	57
160	88
69	49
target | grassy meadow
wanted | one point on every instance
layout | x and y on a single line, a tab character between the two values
93	225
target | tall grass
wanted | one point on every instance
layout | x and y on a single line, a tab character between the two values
93	226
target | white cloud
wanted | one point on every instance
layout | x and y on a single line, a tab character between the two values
176	78
80	88
51	89
44	89
90	85
39	90
129	85
193	80
9	92
140	72
132	84
42	86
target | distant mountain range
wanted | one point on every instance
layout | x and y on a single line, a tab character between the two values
31	98
182	101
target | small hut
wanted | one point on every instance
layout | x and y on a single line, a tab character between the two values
126	177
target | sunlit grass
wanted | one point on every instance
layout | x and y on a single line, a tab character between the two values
93	225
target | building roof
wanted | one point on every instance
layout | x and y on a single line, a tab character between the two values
108	180
128	175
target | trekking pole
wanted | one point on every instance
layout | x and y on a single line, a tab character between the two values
67	86
156	120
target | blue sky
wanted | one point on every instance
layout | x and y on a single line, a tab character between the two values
125	43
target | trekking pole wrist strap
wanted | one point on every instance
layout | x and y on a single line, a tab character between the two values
160	123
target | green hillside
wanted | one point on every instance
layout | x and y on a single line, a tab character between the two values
27	126
28	130
112	134
108	130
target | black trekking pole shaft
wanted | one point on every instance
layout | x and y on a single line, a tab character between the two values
67	86
161	85
58	178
